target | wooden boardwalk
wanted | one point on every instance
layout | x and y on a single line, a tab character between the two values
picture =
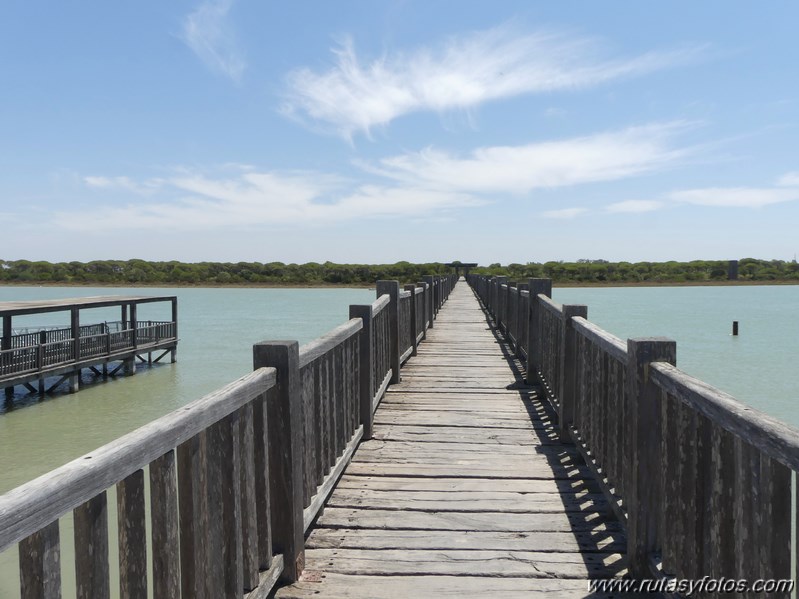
465	489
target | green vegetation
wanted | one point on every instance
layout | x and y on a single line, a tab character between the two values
142	272
604	272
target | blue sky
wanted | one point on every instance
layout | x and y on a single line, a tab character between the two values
409	130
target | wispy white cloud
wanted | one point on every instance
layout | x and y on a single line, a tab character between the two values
520	169
789	180
194	200
208	33
635	206
123	183
786	190
564	213
460	73
737	197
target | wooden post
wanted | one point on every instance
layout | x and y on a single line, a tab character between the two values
568	368
391	288
644	461
134	324
74	377
285	422
429	294
40	564
365	368
5	343
499	315
537	287
521	320
414	331
423	285
174	353
735	328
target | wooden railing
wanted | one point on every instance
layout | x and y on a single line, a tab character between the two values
235	478
209	505
701	482
32	352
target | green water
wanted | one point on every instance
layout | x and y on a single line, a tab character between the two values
217	328
758	367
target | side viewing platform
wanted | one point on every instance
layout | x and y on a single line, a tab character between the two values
30	356
447	440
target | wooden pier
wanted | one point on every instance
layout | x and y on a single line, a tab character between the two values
31	357
446	441
465	489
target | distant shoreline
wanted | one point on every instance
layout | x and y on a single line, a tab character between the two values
566	284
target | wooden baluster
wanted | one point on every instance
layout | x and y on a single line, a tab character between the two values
194	515
165	525
249	511
91	549
40	564
261	482
568	369
131	523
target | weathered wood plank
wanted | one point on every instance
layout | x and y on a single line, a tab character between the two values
91	549
132	537
165	525
486	521
40	564
367	538
344	586
453	562
194	517
465	501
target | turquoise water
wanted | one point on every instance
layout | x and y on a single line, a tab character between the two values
758	366
217	328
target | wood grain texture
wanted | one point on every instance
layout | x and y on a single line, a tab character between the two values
33	505
465	489
132	537
40	564
91	549
165	526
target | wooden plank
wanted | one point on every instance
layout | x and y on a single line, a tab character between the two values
453	562
366	538
471	469
464	501
249	510
485	521
194	516
261	484
165	525
91	549
40	564
448	434
132	537
344	586
522	486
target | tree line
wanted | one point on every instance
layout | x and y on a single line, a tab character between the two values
143	272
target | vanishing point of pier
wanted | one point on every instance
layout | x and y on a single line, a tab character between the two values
445	441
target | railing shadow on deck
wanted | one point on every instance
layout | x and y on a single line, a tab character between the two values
596	529
701	482
236	478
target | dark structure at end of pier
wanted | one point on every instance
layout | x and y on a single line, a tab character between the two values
29	356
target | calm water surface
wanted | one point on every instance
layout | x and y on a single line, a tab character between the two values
758	366
217	328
